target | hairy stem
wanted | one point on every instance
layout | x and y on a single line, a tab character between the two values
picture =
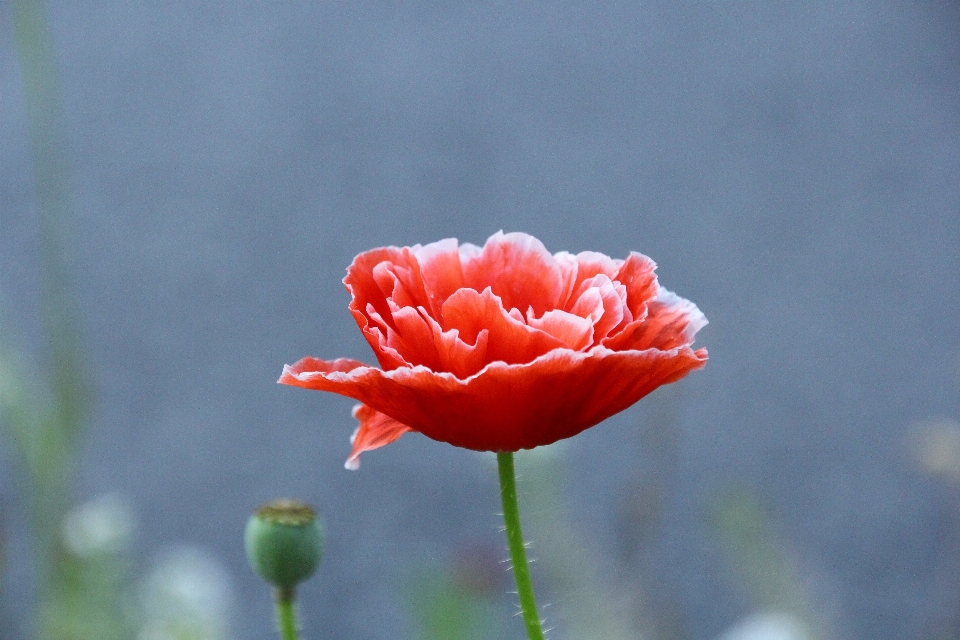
518	553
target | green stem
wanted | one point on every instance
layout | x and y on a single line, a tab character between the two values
50	433
51	175
286	614
518	552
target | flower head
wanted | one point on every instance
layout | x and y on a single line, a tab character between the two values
503	347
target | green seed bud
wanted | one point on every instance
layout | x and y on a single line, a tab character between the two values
284	542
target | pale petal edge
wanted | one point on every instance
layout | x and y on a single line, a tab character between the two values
375	430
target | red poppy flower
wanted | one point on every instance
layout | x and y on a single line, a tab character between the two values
504	347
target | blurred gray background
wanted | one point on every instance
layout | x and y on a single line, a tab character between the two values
794	169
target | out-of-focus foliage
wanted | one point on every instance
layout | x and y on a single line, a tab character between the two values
90	597
769	574
81	560
79	581
187	595
446	609
586	602
45	420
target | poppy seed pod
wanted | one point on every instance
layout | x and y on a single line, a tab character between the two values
284	542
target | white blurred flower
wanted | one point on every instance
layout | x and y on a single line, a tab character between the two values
99	526
770	625
936	447
187	596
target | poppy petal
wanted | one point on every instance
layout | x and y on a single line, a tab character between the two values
567	262
400	283
373	279
671	321
637	275
510	338
377	332
458	357
519	270
364	288
591	264
376	430
506	407
441	272
413	339
572	330
604	302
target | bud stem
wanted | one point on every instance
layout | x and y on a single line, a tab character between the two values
286	614
518	553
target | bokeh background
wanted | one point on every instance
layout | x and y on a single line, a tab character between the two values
793	167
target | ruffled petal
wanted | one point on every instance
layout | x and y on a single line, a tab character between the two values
376	430
318	366
591	264
413	338
519	270
364	288
377	332
511	340
458	357
373	279
637	275
400	283
441	272
604	302
506	407
574	331
670	322
423	341
569	268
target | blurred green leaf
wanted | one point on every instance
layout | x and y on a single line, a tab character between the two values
89	600
746	533
446	610
79	596
587	603
770	574
18	411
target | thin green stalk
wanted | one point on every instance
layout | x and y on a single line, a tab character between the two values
48	439
286	614
518	552
41	82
